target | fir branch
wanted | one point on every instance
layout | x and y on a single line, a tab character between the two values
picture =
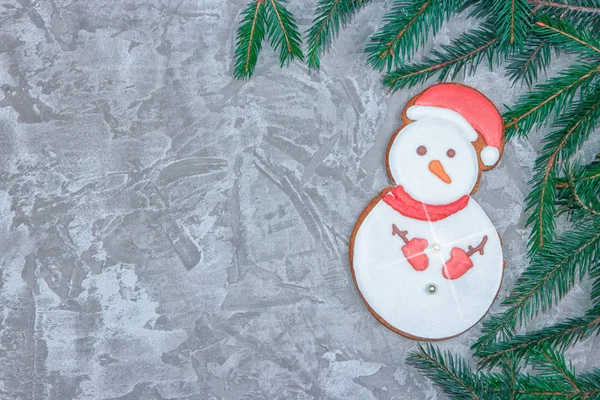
407	27
577	125
595	295
589	382
540	389
554	379
572	6
586	173
556	388
562	34
512	21
552	364
585	197
547	279
540	202
468	50
560	335
283	32
330	15
552	96
558	380
250	35
585	180
531	60
510	371
449	373
576	12
476	9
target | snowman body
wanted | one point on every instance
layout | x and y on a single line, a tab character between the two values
425	257
400	295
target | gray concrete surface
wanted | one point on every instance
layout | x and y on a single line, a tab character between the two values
167	232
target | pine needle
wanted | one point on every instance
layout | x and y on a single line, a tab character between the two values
449	373
585	173
559	336
589	383
530	61
552	364
250	35
560	33
466	52
584	193
283	32
547	279
559	145
330	15
557	379
577	12
541	202
407	27
578	192
552	96
596	289
552	377
512	21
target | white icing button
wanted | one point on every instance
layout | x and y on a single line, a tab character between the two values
437	247
431	288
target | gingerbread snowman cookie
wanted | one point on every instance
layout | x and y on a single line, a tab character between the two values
425	257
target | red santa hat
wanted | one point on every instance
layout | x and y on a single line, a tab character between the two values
466	108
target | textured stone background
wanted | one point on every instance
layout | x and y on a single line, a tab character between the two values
167	232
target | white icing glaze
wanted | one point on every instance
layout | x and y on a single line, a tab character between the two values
398	293
444	114
489	155
411	170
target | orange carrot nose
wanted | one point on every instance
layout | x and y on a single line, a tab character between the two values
438	169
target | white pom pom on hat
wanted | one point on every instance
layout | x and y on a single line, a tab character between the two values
469	110
490	155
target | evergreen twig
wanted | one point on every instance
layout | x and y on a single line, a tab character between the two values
552	96
577	12
551	274
552	377
451	374
586	182
283	32
585	195
532	59
250	35
552	364
330	15
592	6
586	173
406	27
556	379
465	52
560	336
560	144
512	21
566	36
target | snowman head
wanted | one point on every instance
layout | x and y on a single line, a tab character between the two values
452	133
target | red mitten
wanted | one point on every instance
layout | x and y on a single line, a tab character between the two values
413	250
457	265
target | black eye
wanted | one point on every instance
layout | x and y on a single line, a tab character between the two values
421	150
451	153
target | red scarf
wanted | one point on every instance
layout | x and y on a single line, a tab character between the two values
402	202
